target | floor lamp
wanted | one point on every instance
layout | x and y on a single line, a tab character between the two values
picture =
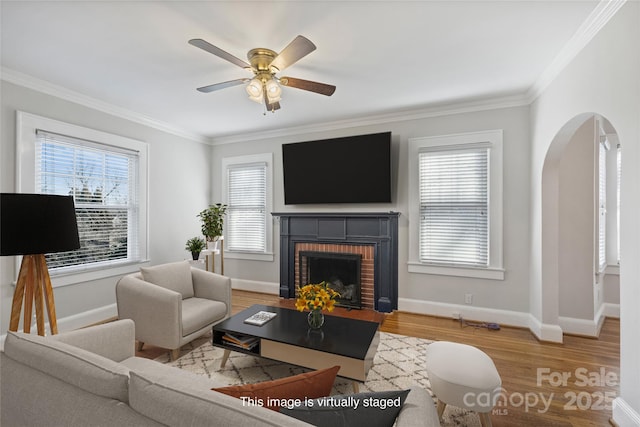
33	225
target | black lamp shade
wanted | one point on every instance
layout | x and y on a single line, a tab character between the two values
37	224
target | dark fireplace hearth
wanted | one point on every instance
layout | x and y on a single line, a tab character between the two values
341	272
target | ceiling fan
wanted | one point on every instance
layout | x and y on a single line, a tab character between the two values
265	63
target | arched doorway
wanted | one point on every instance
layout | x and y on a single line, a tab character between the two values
580	281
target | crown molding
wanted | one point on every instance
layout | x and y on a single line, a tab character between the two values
384	118
30	82
596	20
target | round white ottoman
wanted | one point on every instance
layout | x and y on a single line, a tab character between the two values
463	376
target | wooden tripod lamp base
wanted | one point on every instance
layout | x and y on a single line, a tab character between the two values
34	285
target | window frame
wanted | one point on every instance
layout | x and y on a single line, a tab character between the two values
614	170
602	218
235	161
27	125
491	138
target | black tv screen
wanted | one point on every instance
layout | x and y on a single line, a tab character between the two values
354	169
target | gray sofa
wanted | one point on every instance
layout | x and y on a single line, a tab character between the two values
91	377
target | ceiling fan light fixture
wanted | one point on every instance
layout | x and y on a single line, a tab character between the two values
257	99
254	88
273	90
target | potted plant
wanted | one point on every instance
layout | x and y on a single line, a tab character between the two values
212	220
195	245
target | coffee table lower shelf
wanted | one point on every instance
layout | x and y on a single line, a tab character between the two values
350	368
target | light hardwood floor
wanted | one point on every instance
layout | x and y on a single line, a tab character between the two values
519	357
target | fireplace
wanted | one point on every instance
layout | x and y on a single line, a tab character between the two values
371	236
341	272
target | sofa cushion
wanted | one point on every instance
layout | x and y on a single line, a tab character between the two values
199	312
171	401
175	276
163	373
83	369
303	386
374	409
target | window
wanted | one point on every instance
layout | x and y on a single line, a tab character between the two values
455	218
106	175
454	205
247	193
98	177
613	171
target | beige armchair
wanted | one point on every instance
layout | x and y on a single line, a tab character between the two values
172	304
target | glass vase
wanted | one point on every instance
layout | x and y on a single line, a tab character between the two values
315	319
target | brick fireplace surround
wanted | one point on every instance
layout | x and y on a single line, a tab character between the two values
367	253
372	235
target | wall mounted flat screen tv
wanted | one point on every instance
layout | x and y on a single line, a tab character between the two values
354	169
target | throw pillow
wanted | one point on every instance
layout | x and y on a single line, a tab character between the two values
175	276
282	392
374	409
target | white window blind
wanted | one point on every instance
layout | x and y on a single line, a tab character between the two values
454	206
102	180
602	206
247	207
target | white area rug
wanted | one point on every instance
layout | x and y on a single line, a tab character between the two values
398	364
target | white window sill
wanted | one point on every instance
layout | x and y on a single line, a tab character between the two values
491	273
72	278
612	269
250	256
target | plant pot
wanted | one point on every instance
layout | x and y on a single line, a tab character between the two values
315	319
214	245
195	255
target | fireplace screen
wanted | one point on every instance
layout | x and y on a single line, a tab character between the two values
341	271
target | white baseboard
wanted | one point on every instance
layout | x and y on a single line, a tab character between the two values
86	318
624	415
255	286
611	310
583	327
77	321
505	317
589	327
543	332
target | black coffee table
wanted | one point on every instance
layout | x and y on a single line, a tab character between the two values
349	343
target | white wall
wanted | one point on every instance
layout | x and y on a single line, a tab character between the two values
421	292
604	78
179	187
577	224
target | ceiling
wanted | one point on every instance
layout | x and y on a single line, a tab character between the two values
385	57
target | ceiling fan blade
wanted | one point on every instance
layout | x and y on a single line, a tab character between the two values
297	49
321	88
223	85
218	52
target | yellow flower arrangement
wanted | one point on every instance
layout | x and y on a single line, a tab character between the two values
316	297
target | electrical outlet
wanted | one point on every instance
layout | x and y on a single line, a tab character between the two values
468	298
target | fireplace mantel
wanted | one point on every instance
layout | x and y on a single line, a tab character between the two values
366	228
